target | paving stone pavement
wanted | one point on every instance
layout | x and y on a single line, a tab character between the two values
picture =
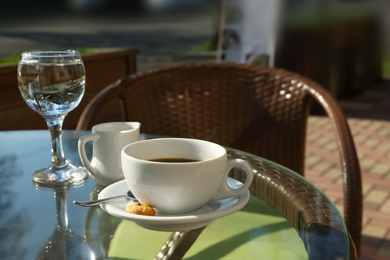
369	118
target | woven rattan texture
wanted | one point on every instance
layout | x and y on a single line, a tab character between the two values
273	184
259	110
310	212
246	108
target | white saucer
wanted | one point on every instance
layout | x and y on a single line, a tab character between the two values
163	222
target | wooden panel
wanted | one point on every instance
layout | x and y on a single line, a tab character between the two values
101	70
21	118
100	74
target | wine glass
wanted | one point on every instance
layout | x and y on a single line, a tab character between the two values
52	83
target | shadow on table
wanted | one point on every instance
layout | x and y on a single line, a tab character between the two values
226	246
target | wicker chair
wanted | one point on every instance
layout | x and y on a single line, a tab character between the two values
263	111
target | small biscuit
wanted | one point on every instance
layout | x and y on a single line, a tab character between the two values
140	209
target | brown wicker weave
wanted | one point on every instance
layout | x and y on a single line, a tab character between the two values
310	212
259	110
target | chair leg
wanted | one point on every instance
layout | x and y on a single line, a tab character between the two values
178	244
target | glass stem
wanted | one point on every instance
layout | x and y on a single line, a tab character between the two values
57	152
62	215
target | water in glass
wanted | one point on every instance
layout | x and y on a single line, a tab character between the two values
52	83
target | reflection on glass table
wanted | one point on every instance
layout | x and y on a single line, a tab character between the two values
286	217
64	243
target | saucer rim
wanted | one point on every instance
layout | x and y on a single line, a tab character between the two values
238	202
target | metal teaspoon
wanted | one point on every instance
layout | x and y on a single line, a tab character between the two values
92	203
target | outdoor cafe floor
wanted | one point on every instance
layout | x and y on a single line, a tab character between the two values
369	119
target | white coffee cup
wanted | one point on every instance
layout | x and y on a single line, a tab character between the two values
108	140
180	187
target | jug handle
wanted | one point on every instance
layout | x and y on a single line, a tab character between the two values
81	146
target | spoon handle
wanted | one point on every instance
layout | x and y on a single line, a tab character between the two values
101	201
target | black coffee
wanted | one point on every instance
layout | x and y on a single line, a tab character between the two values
173	160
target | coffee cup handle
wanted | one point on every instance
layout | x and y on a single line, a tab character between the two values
225	191
81	145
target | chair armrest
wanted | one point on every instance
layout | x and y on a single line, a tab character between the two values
307	209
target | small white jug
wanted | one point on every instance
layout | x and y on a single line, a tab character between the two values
109	139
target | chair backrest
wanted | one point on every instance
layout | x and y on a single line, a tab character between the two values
260	110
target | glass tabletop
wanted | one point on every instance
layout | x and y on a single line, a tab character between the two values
286	217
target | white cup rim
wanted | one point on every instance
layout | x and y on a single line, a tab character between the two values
217	153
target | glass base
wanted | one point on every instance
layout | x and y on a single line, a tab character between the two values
59	176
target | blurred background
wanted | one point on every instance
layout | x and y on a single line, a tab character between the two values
342	44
